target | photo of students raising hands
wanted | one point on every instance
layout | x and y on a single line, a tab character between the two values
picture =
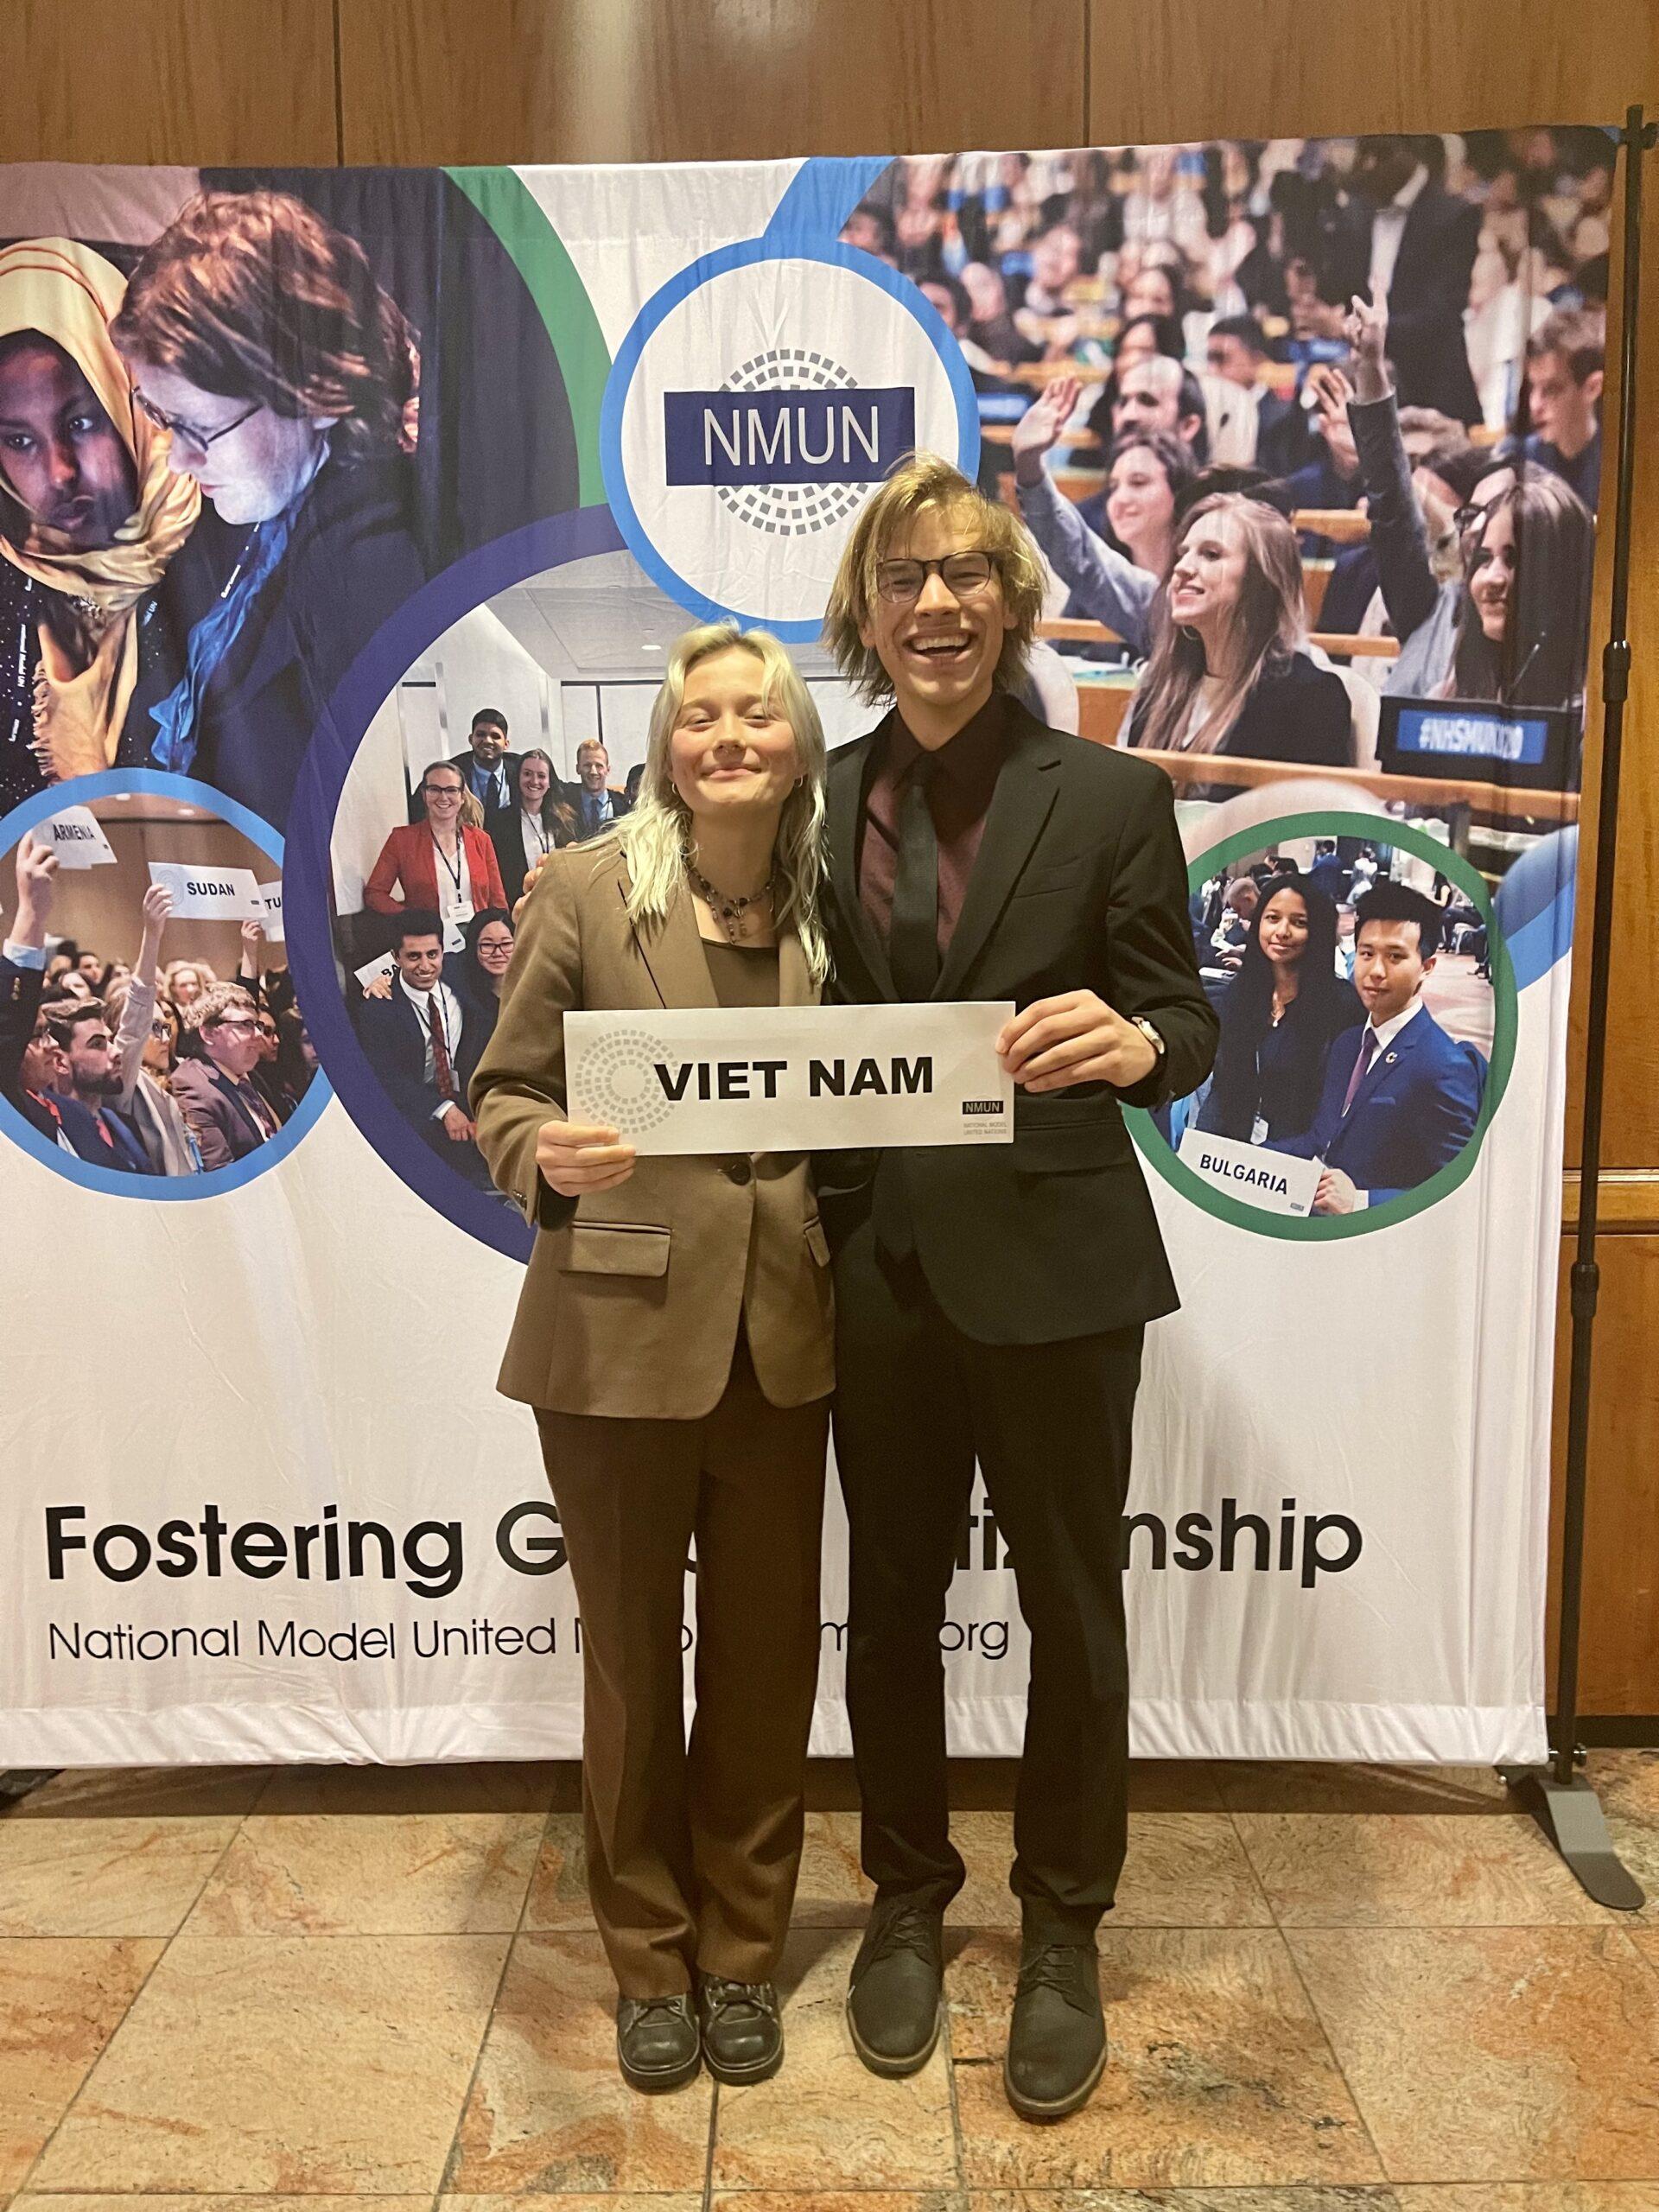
1512	626
674	1336
162	1070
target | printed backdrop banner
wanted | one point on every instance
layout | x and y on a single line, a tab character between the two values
317	480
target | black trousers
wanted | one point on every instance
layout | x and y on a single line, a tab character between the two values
917	1402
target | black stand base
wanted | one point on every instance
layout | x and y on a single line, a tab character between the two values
1571	1817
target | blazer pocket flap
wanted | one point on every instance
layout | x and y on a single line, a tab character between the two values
610	1247
818	1243
1071	1144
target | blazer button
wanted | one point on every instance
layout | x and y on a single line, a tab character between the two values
740	1170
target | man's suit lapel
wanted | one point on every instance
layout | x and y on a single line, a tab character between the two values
672	950
228	1091
1024	798
846	789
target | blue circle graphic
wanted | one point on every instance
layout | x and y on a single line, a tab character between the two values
155	1189
745	255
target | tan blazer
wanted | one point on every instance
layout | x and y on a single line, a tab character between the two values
631	1303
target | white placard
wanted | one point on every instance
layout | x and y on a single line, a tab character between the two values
272	895
791	1078
210	894
1273	1180
372	970
76	837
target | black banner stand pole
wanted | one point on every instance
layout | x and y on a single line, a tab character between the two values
1561	1796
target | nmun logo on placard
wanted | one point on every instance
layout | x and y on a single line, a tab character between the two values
757	401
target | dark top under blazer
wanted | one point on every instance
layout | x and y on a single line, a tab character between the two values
1276	1071
1080	883
1295	712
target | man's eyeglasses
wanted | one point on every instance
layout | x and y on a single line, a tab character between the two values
201	440
236	1028
963	575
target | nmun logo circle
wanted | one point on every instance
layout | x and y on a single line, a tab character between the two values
759	399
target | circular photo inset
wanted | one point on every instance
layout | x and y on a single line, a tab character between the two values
1367	1016
519	730
151	1044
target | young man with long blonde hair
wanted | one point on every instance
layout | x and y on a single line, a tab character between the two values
990	1300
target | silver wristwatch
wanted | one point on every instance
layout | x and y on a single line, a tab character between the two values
1150	1034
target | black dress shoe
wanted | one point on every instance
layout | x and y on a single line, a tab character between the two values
895	1997
742	2035
1057	2041
657	2042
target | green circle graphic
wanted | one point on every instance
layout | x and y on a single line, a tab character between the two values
1323	1228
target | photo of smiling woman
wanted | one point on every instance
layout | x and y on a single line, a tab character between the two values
91	515
674	1338
1278	1017
1229	670
1512	625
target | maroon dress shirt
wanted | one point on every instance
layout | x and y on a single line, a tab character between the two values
964	780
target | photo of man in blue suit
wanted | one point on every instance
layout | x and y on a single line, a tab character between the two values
1400	1098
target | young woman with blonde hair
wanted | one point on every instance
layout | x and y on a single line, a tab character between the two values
674	1337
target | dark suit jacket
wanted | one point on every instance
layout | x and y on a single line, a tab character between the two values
1427	297
1080	883
1282	434
621	804
351	561
1297	711
1411	1117
509	843
19	1001
394	1045
225	1127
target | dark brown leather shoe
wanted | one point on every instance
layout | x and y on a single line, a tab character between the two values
895	1998
1057	2040
742	2034
657	2046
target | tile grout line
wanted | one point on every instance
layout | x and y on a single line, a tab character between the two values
1278	1930
708	2151
958	2144
126	2012
518	1929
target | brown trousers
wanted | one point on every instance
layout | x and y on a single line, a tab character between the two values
693	1851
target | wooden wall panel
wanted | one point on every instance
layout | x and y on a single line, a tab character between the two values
653	80
1177	70
182	81
1620	1649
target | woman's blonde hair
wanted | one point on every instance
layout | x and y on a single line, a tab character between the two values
926	481
1271	614
653	837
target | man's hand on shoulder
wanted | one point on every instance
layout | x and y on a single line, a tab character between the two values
1076	1038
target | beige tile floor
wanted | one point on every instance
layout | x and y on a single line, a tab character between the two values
1329	1990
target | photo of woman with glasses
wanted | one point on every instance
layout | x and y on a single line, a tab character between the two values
91	514
286	378
1512	624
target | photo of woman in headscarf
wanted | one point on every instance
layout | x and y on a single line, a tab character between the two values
91	515
255	334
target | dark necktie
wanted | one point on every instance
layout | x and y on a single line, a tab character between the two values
913	933
1362	1060
442	1068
